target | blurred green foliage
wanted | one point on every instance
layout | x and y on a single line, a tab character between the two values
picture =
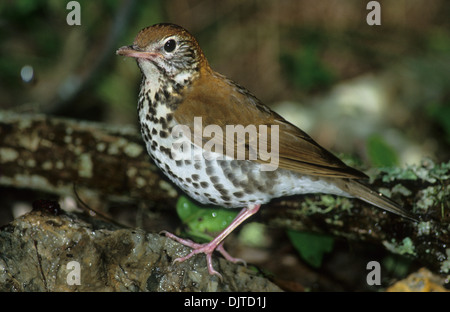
305	69
439	41
304	65
381	154
311	246
396	265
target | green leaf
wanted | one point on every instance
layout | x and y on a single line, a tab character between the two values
380	153
202	221
311	246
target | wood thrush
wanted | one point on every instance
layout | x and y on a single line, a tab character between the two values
179	88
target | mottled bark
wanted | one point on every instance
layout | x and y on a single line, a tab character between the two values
53	154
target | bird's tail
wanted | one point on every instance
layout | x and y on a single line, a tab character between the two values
359	190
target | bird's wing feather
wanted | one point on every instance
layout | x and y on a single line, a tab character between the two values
221	102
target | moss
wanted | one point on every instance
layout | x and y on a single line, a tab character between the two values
431	196
406	247
392	174
325	204
399	188
445	266
427	171
424	228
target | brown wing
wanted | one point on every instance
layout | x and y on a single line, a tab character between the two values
220	102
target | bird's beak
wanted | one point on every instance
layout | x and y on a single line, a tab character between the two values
134	51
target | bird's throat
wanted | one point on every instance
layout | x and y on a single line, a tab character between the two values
159	88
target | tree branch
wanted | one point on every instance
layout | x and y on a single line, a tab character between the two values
51	154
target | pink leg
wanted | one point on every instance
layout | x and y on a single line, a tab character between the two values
216	243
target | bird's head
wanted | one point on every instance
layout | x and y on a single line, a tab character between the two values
166	49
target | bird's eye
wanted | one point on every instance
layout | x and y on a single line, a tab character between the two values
170	45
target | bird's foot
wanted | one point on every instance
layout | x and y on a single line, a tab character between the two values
207	249
216	243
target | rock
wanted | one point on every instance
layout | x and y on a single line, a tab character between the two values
52	250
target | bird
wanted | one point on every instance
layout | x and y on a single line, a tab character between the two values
186	111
